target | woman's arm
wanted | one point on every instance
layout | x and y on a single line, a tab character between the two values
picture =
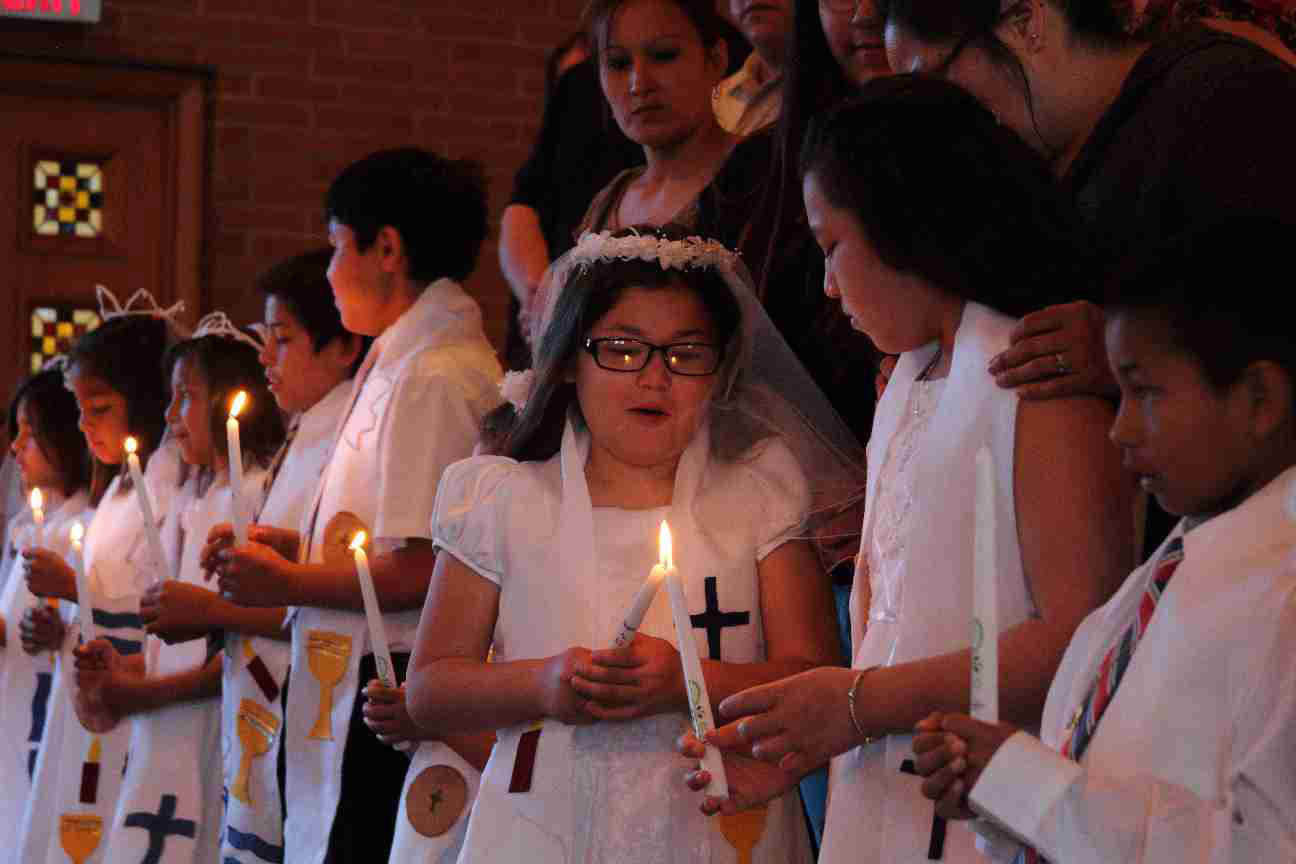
452	689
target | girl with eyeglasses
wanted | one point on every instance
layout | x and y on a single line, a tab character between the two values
661	392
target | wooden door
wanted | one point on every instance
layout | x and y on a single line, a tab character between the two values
100	183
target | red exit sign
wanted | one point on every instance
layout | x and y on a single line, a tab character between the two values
52	10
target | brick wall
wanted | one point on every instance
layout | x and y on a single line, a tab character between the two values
302	87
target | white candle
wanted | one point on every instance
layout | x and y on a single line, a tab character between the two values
694	684
985	597
84	600
377	631
630	623
146	509
38	515
238	515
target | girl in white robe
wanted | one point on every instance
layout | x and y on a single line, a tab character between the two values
169	809
914	158
115	375
542	554
51	457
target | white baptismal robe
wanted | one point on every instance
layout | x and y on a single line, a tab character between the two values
254	828
30	687
169	809
614	791
416	411
920	603
119	567
1194	759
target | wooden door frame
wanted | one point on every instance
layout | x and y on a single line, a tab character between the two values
182	94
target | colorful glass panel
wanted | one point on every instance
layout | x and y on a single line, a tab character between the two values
67	198
54	329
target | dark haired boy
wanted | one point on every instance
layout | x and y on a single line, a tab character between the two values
1169	734
406	227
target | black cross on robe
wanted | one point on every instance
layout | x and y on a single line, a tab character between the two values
714	621
160	826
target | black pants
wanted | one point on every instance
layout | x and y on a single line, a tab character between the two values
373	775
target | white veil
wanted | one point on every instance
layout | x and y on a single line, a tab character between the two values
768	393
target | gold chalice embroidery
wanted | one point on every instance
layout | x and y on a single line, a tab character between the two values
327	654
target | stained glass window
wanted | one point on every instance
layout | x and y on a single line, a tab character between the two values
67	198
55	328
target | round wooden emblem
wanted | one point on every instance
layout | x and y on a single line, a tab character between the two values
436	800
337	538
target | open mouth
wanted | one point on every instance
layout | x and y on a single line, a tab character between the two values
650	412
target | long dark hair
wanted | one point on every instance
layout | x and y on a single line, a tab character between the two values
945	192
52	411
812	81
230	366
701	14
126	354
590	292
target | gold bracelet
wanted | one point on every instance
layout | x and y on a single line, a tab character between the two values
850	705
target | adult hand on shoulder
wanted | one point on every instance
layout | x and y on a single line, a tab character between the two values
751	782
1055	352
642	678
559	699
48	575
385	714
950	752
797	723
255	575
41	629
177	611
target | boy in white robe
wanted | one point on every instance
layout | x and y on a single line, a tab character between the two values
1168	731
415	407
309	360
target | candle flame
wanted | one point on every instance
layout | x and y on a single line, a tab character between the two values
664	546
77	532
131	445
37	499
357	541
240	400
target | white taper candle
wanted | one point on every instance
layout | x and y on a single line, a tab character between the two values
985	596
237	514
694	683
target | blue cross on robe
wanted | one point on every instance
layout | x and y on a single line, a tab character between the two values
160	826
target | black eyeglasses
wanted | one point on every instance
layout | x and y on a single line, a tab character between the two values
619	354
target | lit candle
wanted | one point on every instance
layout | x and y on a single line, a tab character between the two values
694	683
630	624
146	508
377	632
985	597
38	515
236	469
82	584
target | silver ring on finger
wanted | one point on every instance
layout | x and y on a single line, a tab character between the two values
1060	362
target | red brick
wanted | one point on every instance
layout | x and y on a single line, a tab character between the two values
234	85
452	26
261	113
350	119
395	71
186	28
295	89
366	16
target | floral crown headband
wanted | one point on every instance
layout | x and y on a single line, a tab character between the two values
698	253
219	325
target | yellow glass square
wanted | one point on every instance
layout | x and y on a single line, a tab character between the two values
49	346
67	214
67	183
